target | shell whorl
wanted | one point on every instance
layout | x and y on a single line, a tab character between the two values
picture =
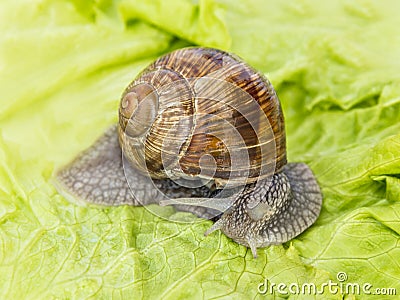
213	116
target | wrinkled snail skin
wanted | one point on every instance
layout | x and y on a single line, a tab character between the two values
98	176
180	110
274	212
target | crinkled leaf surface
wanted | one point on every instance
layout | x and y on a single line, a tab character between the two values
63	65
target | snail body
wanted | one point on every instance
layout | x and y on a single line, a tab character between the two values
201	130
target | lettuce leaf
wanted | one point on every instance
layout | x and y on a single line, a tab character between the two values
63	66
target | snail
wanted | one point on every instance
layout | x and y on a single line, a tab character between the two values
201	130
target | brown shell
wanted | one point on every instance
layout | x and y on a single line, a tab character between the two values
214	117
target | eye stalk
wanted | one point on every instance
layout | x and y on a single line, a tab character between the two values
201	114
138	109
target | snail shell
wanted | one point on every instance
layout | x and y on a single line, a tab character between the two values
200	114
195	103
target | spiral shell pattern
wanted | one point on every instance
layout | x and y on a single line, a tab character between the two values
202	113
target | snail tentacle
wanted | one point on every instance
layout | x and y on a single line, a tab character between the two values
220	204
216	226
296	199
197	118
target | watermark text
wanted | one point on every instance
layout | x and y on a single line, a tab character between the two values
331	287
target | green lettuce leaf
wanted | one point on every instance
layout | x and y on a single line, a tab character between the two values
63	66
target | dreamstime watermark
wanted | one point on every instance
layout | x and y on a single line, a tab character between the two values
341	287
